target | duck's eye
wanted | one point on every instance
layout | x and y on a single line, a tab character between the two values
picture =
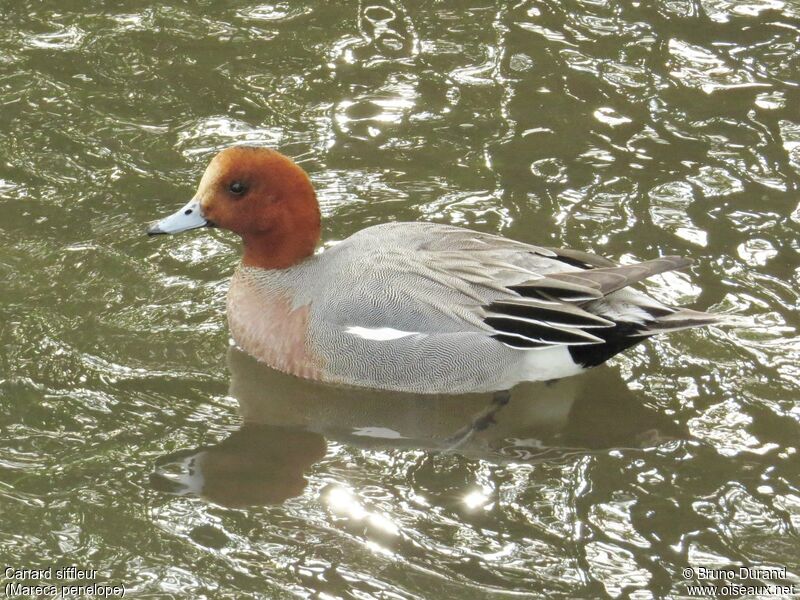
237	187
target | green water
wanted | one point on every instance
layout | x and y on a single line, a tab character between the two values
134	442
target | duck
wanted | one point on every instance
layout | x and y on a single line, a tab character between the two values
418	307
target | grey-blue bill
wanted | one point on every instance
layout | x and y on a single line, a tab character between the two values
188	217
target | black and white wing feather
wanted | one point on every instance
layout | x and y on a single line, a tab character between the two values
588	308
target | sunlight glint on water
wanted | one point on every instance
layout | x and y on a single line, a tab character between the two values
134	442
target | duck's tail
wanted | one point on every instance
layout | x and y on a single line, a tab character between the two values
683	318
593	310
625	334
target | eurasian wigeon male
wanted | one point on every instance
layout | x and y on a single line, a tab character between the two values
417	307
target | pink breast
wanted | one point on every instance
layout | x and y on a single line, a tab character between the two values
265	326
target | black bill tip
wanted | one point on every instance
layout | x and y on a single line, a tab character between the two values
154	230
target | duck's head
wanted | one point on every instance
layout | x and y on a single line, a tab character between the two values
261	195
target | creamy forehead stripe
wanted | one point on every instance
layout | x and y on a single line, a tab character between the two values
381	334
207	181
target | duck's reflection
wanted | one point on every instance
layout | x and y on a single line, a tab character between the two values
288	420
258	464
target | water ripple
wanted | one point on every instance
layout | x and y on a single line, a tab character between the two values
630	129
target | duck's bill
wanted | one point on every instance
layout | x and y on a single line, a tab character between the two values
189	217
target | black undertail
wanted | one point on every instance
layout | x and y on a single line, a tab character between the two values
617	339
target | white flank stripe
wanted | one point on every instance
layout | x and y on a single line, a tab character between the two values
381	334
378	432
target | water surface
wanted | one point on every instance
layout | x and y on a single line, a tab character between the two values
134	442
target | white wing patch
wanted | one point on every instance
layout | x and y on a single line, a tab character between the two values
378	432
380	334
